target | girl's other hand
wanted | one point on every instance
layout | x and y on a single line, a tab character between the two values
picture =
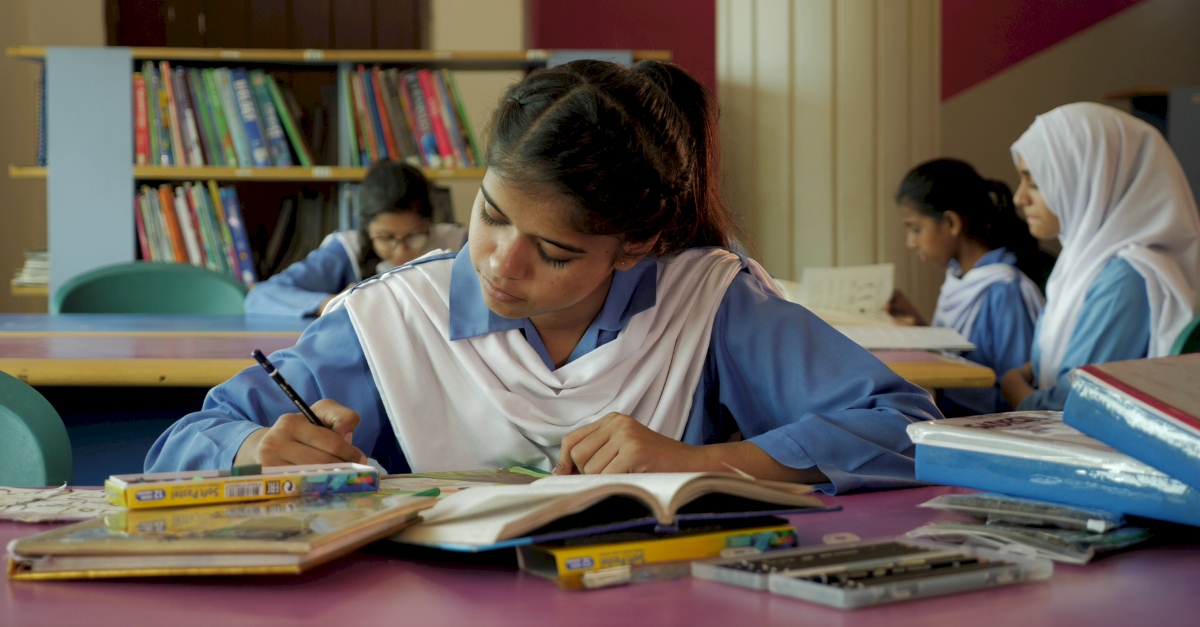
903	311
616	444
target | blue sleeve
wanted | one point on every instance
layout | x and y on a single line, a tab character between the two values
327	362
808	396
1003	332
302	286
1114	324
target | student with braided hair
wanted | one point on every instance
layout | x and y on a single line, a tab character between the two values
595	323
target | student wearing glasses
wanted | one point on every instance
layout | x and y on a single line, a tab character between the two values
394	218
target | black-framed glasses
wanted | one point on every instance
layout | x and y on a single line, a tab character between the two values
415	242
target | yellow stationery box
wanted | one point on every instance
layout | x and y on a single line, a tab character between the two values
246	483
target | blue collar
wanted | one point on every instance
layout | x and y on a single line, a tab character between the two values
995	255
632	291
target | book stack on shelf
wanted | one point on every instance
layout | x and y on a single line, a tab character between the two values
215	116
36	271
196	224
415	116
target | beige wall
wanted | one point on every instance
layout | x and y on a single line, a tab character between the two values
23	202
477	25
1154	43
825	105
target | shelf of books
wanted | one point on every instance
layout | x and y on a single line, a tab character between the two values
145	150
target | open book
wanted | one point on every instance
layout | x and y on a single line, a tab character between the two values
269	537
491	517
846	295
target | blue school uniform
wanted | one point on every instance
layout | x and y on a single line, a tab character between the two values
1114	324
788	382
300	288
1002	335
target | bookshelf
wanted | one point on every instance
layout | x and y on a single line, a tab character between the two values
91	179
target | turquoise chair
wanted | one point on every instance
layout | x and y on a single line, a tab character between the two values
1188	340
34	447
150	288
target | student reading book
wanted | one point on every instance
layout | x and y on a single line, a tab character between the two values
956	219
595	323
394	217
266	538
490	517
1128	279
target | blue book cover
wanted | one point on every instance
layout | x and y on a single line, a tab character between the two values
1145	408
260	156
1036	455
373	113
233	119
277	142
241	241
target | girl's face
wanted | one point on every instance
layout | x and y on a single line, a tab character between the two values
1043	224
936	241
399	238
532	264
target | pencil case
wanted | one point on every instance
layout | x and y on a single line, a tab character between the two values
201	487
874	572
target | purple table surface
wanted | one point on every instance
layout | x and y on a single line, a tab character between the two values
1152	586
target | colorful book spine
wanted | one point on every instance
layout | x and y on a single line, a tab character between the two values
208	236
140	224
189	129
233	119
289	125
151	101
401	124
259	154
227	247
348	108
448	115
277	142
159	249
365	101
426	142
468	130
216	104
178	152
385	122
160	133
166	205
241	241
434	109
208	132
187	224
141	124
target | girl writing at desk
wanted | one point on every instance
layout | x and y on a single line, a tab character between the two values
394	214
596	322
1109	188
958	220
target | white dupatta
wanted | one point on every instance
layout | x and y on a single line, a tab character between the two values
1118	191
962	296
490	401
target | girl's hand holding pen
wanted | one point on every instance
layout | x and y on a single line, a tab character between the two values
292	440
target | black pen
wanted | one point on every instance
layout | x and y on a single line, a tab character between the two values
287	389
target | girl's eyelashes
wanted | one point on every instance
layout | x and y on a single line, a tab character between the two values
487	219
551	261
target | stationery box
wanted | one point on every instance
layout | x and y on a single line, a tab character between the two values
873	572
202	487
566	564
1035	455
1148	409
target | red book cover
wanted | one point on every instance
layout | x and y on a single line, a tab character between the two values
141	122
410	116
364	113
167	201
388	138
432	102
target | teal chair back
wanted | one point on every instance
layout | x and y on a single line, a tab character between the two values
151	288
1188	340
34	448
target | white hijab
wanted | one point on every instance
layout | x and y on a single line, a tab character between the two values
1118	191
962	295
490	401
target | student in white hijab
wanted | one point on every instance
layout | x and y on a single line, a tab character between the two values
1109	187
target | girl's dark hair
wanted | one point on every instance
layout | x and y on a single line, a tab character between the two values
636	149
389	187
985	205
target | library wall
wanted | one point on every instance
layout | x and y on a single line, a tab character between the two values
23	201
1153	43
826	105
477	25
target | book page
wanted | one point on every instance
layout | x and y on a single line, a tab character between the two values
862	290
39	505
906	338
